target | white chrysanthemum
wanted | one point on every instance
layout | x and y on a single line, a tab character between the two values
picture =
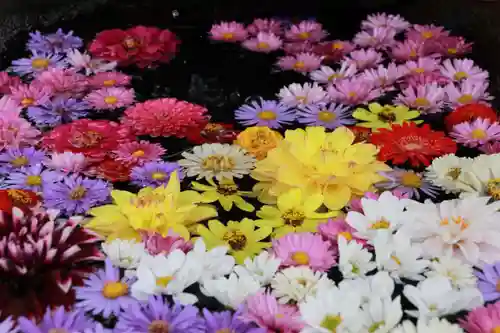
467	229
327	74
380	285
485	176
383	314
435	325
296	283
460	274
354	260
214	263
450	172
124	253
222	161
379	215
296	94
262	267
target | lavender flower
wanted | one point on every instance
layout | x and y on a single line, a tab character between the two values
56	321
13	159
155	173
32	178
57	42
266	113
75	194
37	63
488	281
97	329
408	183
228	322
330	117
8	326
57	111
156	316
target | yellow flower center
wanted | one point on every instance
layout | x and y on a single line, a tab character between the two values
335	76
427	34
114	290
422	101
19	196
224	330
299	65
478	134
163	281
413	54
58	330
381	224
347	235
460	75
352	94
130	43
86	139
301	99
109	83
218	163
263	45
454	173
40	63
326	116
158	176
158	326
148	199
460	221
495	329
331	323
110	100
375	326
493	188
411	179
293	218
452	50
337	46
34	180
27	101
19	161
300	258
267	115
236	240
227	189
138	153
387	116
396	260
228	35
466	98
78	193
304	35
419	70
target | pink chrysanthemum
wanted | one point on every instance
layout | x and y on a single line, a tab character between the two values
384	77
476	133
485	319
467	92
335	228
378	38
265	25
264	310
8	105
298	47
491	148
138	153
108	80
461	69
302	62
326	74
304	249
7	81
422	65
297	94
426	32
31	95
450	46
353	91
426	98
67	162
157	244
409	50
16	132
306	31
164	117
110	98
423	79
365	58
63	81
384	20
264	42
228	32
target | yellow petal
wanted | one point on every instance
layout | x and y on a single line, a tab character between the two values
242	204
122	198
290	199
261	233
201	187
312	203
269	223
201	213
365	115
337	196
210	196
376	107
226	203
269	212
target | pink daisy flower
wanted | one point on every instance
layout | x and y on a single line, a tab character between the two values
110	98
450	46
467	92
336	228
108	80
476	133
264	310
138	153
301	62
461	69
264	42
365	58
304	249
384	77
296	94
426	98
16	132
32	94
268	26
9	105
326	74
426	32
422	65
298	47
422	79
231	32
378	38
409	50
491	148
63	81
67	162
485	319
383	20
306	31
353	91
157	244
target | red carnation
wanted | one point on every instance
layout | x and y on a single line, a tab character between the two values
165	117
407	142
141	45
93	138
468	113
22	199
111	170
212	133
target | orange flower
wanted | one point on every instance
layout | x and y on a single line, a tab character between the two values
258	140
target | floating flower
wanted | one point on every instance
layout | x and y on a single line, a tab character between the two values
354	260
164	117
329	116
333	51
306	31
231	32
378	38
450	173
407	142
384	20
83	61
483	319
63	81
31	95
265	25
487	282
364	59
326	74
429	98
13	159
451	46
212	132
468	113
461	69
478	132
264	42
300	62
37	63
490	148
408	183
156	244
138	152
409	50
16	132
109	79
378	116
58	110
32	178
217	322
154	173
258	140
110	169
233	290
57	42
467	92
298	47
57	319
226	192
110	98
264	113
67	162
421	65
384	77
297	94
426	32
353	91
124	253
336	228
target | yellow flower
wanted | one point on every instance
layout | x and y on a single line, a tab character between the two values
378	116
226	192
294	213
258	140
318	162
160	210
242	238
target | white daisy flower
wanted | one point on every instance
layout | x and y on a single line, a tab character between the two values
327	74
452	173
299	95
380	285
214	263
296	283
485	176
460	274
125	253
222	161
434	325
354	260
262	267
83	61
383	314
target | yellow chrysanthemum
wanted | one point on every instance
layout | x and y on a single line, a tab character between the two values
293	213
258	140
160	210
225	192
242	238
318	162
378	116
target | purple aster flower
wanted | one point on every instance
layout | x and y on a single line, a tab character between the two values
8	326
32	178
228	322
154	173
488	281
37	63
476	133
97	329
329	116
57	111
13	159
56	321
75	194
266	113
104	292
57	42
407	182
157	316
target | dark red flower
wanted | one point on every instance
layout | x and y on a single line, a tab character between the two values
7	81
41	260
407	142
93	138
362	133
111	170
469	112
22	199
139	45
212	133
333	51
448	46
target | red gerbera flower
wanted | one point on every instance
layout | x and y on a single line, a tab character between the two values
41	260
22	199
468	113
111	170
361	133
407	142
213	133
93	138
141	45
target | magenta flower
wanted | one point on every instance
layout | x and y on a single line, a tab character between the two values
110	98
16	132
67	162
423	79
365	58
409	50
157	244
268	26
476	133
31	95
461	69
138	153
485	319
383	20
426	32
422	65
333	51
384	77
264	42
306	31
9	105
335	228
491	148
301	62
449	46
298	47
467	92
326	74
353	91
109	79
426	98
63	81
231	32
378	38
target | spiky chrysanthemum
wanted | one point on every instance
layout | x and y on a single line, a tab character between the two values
40	260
